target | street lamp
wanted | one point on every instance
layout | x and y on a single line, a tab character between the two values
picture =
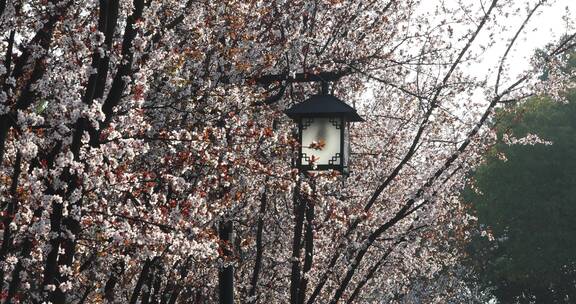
323	122
323	133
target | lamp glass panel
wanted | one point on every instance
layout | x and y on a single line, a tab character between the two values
321	141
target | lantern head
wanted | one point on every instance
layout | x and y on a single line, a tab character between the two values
323	133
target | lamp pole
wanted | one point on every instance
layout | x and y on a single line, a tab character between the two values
304	224
308	203
226	275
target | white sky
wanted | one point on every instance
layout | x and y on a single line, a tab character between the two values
546	27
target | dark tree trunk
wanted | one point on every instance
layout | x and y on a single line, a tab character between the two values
259	246
15	283
143	276
117	271
10	209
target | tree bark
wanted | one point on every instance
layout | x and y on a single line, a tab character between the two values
259	247
11	208
143	276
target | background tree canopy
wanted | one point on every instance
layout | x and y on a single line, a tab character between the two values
525	198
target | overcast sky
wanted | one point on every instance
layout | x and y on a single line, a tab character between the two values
549	26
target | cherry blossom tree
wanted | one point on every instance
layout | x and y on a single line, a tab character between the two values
130	131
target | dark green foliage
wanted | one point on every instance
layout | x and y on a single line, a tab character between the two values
528	203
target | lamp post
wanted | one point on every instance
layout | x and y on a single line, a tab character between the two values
226	274
323	132
324	144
